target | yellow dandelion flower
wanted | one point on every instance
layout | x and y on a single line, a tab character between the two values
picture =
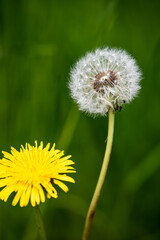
32	171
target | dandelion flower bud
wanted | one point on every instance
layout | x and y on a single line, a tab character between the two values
103	80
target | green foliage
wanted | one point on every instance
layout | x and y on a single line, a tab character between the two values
39	42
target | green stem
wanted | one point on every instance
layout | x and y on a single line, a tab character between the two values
101	179
40	223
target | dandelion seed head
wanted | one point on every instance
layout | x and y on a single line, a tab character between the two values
103	80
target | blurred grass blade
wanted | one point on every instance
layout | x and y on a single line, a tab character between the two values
145	169
69	128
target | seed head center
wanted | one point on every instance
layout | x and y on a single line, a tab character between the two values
104	79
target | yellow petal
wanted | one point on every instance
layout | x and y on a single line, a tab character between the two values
65	178
61	185
33	197
6	192
41	193
24	199
17	197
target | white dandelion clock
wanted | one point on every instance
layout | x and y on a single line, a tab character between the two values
101	82
104	80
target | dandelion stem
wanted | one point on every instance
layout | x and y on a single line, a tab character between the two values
101	179
40	223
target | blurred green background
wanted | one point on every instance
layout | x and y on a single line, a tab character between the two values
39	42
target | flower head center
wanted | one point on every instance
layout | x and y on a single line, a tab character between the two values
104	79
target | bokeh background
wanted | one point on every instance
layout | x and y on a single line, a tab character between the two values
39	42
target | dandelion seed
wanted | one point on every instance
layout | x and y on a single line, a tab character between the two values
32	171
104	80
